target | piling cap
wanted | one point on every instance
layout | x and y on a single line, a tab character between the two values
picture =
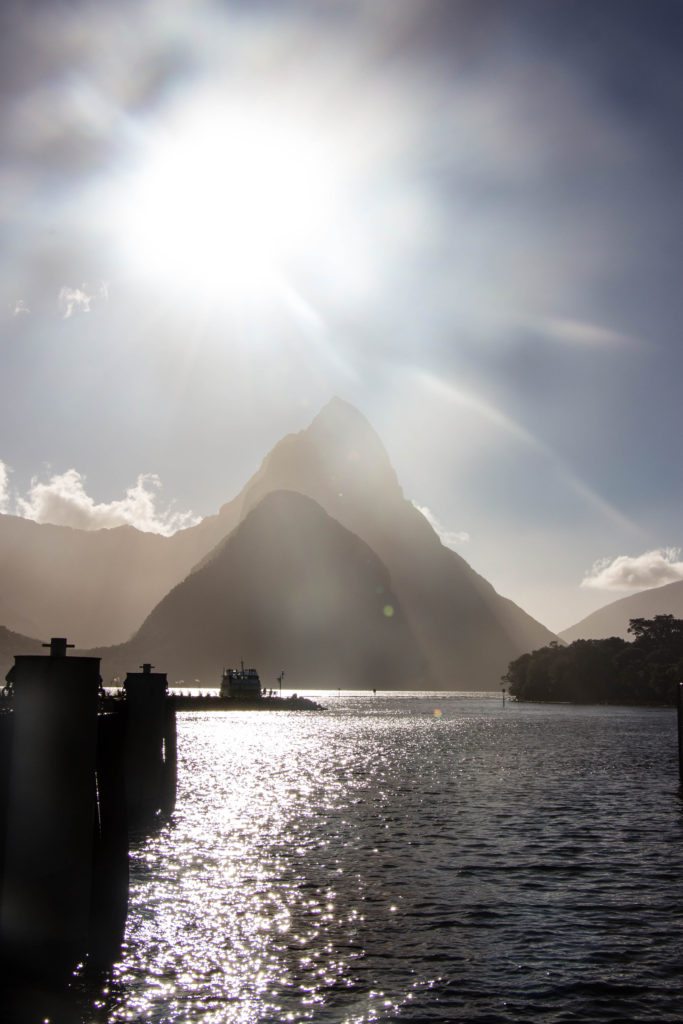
58	646
146	678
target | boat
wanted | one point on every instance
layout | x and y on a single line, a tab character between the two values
241	684
241	689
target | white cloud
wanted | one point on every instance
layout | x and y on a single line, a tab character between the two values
80	299
4	488
20	308
64	501
451	538
73	300
626	572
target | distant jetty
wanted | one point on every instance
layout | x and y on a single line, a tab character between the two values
215	702
112	701
240	690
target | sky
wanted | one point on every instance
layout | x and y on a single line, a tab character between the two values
463	216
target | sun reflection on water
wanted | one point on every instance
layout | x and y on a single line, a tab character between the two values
382	862
243	905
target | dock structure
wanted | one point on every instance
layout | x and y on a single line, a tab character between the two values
78	774
51	807
150	748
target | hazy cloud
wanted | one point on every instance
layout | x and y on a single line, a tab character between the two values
578	332
451	538
4	488
626	572
64	501
20	308
79	300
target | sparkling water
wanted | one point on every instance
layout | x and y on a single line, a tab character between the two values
417	857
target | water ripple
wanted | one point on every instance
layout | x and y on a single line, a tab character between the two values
380	863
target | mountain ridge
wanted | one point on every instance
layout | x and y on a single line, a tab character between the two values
349	474
613	619
465	630
289	588
94	585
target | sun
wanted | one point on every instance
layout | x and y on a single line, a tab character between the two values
227	200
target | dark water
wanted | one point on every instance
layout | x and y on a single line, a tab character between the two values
383	862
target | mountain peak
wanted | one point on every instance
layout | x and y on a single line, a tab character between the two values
339	416
341	430
337	456
338	403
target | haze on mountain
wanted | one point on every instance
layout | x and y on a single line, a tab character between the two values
289	588
467	631
459	632
96	586
613	619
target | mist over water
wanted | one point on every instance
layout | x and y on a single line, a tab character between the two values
413	857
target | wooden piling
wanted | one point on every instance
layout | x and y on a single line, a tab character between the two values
145	726
170	773
109	902
45	901
6	731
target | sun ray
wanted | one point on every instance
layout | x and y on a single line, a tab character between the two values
469	400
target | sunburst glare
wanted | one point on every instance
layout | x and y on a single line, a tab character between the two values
226	199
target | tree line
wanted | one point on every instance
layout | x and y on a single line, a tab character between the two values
646	670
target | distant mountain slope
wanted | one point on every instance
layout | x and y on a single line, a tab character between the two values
93	586
468	632
613	619
289	589
14	643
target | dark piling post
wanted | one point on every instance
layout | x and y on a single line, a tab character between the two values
45	903
6	730
170	775
680	732
145	728
109	905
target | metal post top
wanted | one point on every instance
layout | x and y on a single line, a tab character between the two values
147	677
58	646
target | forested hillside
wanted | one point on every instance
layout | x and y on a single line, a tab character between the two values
646	670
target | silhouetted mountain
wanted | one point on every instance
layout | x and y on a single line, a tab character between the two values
95	586
98	587
613	619
289	588
468	632
14	643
